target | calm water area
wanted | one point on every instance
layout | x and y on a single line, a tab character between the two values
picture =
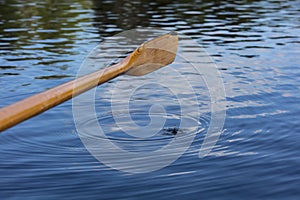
255	46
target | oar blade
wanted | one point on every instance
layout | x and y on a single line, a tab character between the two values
154	55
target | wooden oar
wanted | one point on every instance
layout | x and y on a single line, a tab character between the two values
147	58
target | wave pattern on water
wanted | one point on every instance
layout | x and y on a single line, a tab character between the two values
255	45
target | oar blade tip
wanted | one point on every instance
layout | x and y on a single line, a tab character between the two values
154	54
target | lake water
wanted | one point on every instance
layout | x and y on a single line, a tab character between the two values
255	46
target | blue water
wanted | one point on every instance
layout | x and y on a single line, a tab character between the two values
255	45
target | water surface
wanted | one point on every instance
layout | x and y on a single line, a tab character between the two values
255	45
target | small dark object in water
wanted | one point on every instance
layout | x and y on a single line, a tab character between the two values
171	131
175	131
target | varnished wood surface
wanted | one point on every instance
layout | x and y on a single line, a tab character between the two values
149	57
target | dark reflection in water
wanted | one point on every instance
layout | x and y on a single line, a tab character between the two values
256	47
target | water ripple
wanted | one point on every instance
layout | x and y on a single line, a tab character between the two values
255	44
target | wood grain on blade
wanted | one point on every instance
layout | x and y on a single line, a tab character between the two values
153	55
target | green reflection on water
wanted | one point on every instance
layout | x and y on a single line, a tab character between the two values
47	25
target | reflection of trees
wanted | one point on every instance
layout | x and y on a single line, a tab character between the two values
26	22
54	23
127	14
124	14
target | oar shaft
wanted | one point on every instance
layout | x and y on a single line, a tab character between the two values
147	58
36	104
